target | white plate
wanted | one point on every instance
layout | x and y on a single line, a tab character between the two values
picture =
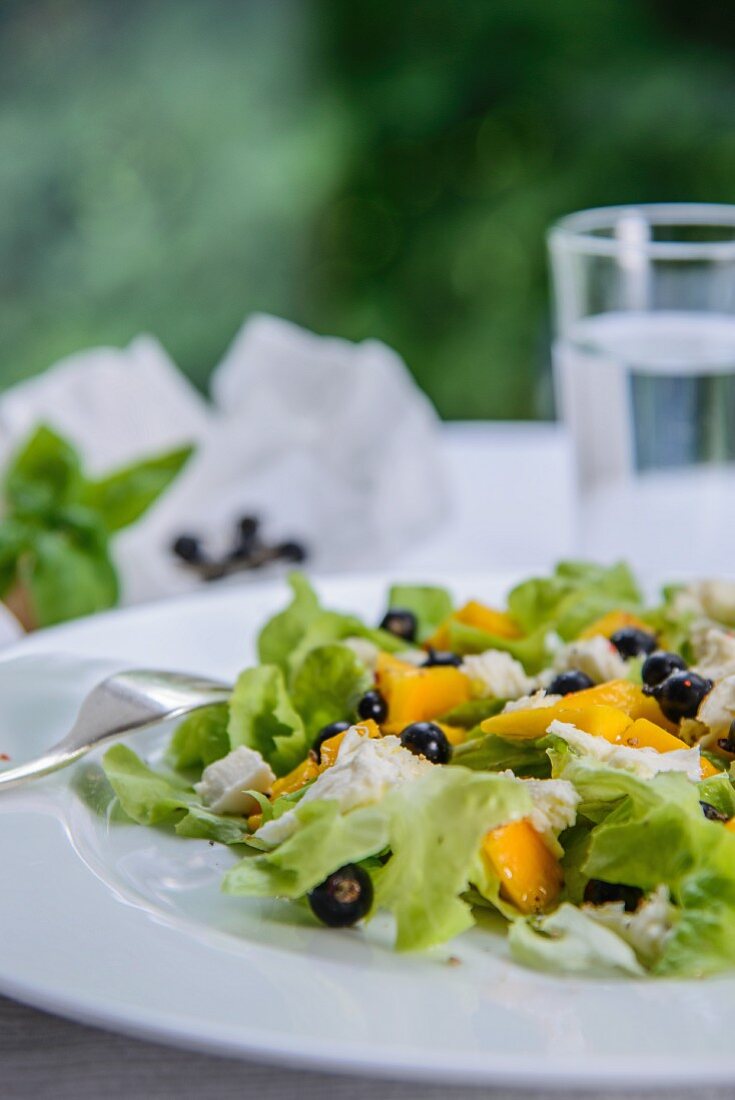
125	927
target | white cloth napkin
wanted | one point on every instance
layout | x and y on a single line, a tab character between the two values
330	442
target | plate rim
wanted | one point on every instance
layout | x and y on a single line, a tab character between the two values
294	1052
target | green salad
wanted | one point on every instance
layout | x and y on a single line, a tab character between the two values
564	760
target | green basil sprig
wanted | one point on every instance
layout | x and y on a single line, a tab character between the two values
57	524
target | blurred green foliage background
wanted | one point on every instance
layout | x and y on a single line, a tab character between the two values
369	168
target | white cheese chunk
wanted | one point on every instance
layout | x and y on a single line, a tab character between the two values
223	783
365	770
714	649
597	657
714	599
365	651
415	657
555	804
717	709
646	930
643	762
278	830
537	701
718	599
495	674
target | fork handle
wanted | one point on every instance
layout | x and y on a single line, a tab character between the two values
51	761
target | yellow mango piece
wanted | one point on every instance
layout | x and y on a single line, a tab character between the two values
530	875
628	697
388	668
304	772
643	734
613	621
489	619
526	725
308	769
329	749
647	707
425	694
478	615
622	694
455	735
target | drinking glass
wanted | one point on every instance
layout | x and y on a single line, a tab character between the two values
644	375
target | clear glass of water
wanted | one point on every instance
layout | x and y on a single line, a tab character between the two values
644	373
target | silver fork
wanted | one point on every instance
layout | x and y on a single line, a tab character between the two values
120	704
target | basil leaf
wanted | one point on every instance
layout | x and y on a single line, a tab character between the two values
14	540
45	472
124	495
67	577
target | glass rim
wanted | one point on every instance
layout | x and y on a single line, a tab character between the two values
576	232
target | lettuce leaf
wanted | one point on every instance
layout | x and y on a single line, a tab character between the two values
719	792
491	753
154	799
672	623
436	826
575	595
290	635
282	633
328	627
651	832
430	604
433	826
470	714
702	942
201	738
281	724
328	686
263	717
530	651
570	941
325	841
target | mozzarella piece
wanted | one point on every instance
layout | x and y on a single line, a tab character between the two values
365	770
415	657
365	651
496	674
597	657
224	783
644	762
714	599
555	804
537	701
717	709
278	829
718	599
715	651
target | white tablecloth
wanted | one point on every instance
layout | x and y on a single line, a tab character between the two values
495	471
